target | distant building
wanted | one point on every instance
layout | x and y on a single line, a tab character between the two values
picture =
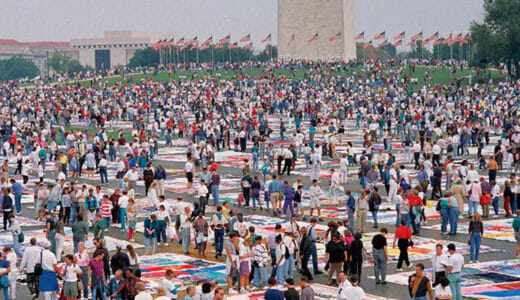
38	52
300	20
113	49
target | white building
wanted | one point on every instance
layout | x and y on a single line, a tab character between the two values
113	49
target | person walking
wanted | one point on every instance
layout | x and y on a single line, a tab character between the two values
335	256
403	236
419	284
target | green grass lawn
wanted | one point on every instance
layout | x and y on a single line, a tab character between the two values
110	133
442	76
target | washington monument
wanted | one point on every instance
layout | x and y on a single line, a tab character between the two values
317	20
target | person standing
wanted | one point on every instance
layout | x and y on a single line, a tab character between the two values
48	284
305	253
12	258
419	285
201	233
335	256
516	229
259	262
439	261
361	212
313	238
454	266
281	259
31	256
82	259
215	184
150	233
475	234
380	253
403	236
71	272
218	223
185	229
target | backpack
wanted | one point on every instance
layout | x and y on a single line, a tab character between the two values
287	254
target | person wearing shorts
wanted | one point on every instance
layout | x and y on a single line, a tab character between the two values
71	271
315	193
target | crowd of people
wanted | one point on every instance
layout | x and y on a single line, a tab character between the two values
381	139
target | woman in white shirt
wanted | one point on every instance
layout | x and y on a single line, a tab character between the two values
245	255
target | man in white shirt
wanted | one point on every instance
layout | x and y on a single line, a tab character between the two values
439	261
454	266
30	258
167	284
343	284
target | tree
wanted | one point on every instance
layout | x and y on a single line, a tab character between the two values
147	57
63	64
16	67
497	38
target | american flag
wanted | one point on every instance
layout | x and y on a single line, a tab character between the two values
449	40
417	36
208	41
192	41
266	39
383	44
433	37
233	46
379	36
225	39
367	45
335	37
360	36
399	36
179	42
245	39
291	40
313	38
249	46
458	38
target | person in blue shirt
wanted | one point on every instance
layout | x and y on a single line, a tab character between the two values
275	187
150	233
272	293
288	193
16	188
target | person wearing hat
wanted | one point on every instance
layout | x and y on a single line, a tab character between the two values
48	284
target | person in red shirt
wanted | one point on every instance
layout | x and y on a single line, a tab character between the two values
403	237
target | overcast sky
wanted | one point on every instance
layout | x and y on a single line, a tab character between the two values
61	20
